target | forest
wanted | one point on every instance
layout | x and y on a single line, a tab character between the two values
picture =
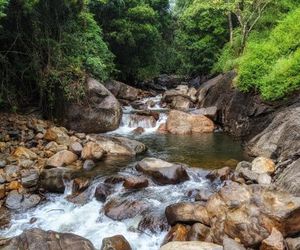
49	48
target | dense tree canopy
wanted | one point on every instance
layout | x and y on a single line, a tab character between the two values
48	48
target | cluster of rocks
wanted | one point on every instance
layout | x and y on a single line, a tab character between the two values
36	156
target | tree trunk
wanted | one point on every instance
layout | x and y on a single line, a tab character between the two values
230	29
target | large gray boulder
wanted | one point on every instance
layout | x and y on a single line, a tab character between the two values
99	112
46	240
281	138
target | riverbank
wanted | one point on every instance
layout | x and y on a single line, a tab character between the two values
148	200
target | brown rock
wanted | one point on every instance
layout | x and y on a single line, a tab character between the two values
153	222
183	123
61	159
163	172
117	242
58	135
293	243
25	153
138	131
92	151
135	182
179	232
121	209
102	191
2	191
14	185
48	240
187	212
222	173
5	217
273	242
162	129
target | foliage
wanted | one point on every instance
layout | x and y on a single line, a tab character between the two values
135	32
199	38
48	49
271	66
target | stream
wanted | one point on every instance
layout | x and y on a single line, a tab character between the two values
201	151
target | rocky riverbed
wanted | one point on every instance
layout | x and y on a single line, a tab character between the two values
48	182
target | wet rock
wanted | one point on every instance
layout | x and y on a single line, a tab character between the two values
80	184
61	159
262	165
248	175
114	179
52	179
18	201
20	152
80	198
183	123
5	217
141	120
135	182
88	165
102	192
293	243
190	245
230	244
30	178
163	172
100	112
198	232
117	242
187	212
162	129
153	222
57	134
120	145
222	173
203	195
273	242
76	148
179	232
138	131
289	178
121	209
48	240
92	151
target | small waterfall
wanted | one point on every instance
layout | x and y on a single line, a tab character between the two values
132	119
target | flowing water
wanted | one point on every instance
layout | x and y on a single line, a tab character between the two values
203	151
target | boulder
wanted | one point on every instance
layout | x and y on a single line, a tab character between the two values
76	148
124	91
121	209
92	151
293	243
30	178
280	139
190	245
153	222
135	182
198	232
275	241
12	172
210	112
230	244
120	145
179	232
144	121
289	178
47	240
18	201
52	180
102	191
162	172
241	211
187	212
262	165
61	159
99	112
183	123
117	242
